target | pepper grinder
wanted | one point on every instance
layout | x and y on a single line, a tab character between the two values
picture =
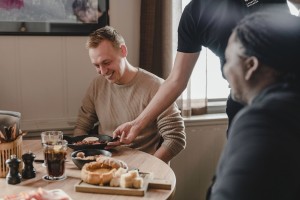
28	171
13	176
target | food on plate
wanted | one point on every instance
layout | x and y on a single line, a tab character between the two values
39	194
102	170
82	142
81	156
90	141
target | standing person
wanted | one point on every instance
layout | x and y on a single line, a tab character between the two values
203	23
261	158
120	94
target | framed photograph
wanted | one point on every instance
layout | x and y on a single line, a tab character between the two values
52	17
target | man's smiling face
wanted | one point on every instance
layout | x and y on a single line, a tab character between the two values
109	61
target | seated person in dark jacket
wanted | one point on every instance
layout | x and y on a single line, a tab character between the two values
261	158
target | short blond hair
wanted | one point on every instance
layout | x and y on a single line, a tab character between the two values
105	33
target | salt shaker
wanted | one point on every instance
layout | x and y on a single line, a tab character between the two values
28	171
13	176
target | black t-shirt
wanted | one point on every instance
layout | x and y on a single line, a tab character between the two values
209	23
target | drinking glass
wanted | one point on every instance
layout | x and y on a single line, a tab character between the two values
55	156
51	137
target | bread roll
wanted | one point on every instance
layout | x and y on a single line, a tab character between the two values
138	182
101	171
134	173
119	172
115	182
126	181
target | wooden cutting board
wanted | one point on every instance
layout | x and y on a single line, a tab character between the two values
148	183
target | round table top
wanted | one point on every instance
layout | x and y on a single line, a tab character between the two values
134	159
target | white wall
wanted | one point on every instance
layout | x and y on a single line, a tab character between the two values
45	77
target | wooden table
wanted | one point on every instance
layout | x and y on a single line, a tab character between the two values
134	158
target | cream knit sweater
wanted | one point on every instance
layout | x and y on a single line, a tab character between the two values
113	104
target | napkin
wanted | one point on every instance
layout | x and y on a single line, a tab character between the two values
39	194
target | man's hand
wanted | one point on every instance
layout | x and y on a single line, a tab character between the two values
127	132
114	143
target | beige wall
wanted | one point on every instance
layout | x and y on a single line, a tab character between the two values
45	77
195	166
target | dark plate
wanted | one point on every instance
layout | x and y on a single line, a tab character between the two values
88	152
72	140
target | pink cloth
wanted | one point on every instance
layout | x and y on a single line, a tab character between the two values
11	4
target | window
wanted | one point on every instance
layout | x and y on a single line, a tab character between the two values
217	86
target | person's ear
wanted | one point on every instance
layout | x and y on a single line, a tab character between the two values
123	50
252	65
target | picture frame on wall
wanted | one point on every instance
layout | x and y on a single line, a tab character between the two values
52	17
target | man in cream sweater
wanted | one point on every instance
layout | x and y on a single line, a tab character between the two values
121	93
